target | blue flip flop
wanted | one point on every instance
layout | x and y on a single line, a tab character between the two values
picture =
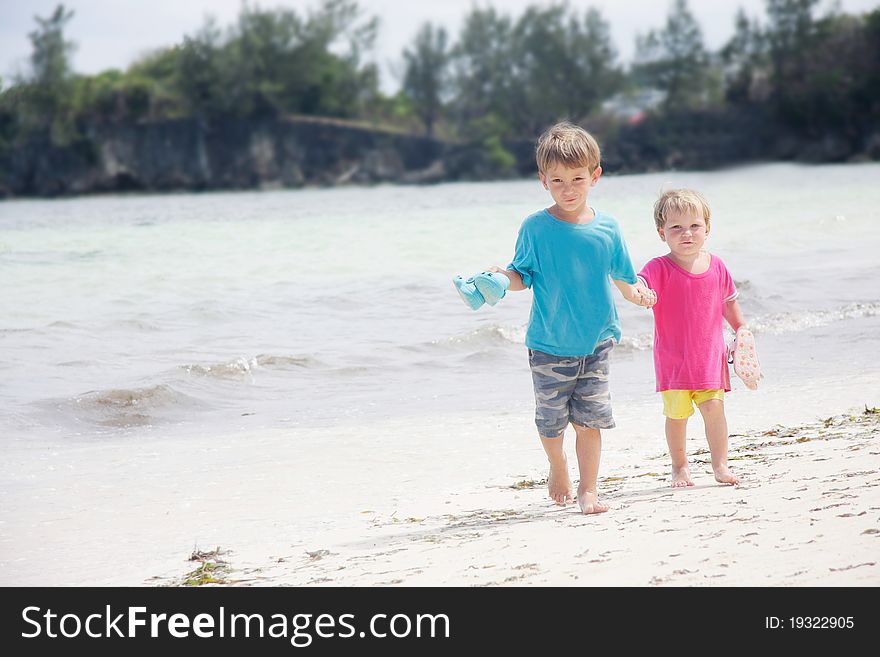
468	292
492	285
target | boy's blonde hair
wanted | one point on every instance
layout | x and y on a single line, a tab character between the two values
680	201
569	145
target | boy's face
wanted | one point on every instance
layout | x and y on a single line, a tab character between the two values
685	233
569	187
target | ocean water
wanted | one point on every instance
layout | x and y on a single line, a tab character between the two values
175	314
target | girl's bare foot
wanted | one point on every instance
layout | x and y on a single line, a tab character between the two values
559	484
725	476
589	502
681	477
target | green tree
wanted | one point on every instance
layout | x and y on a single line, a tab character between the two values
675	60
159	72
111	97
791	36
790	26
837	94
50	58
199	74
599	56
425	78
348	83
866	92
265	70
481	79
563	66
744	58
282	62
50	76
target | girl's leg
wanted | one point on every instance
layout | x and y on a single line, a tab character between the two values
716	435
676	440
589	452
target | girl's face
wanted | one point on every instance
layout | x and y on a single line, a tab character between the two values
685	233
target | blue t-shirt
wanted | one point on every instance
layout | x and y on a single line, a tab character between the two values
568	268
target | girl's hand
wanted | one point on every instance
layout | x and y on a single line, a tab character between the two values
646	296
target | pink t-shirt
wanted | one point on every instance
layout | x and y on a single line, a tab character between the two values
689	348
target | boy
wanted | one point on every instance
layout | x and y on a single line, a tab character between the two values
695	292
566	254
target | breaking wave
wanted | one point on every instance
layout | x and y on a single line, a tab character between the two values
130	407
793	322
243	367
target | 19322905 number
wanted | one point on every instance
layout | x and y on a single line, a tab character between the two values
820	622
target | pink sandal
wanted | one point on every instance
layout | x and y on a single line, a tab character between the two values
744	357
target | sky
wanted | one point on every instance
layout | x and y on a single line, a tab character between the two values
114	33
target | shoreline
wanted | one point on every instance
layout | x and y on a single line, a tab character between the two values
806	513
264	509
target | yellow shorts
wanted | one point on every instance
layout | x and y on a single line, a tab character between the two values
679	404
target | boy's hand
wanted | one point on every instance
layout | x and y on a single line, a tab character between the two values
638	293
516	282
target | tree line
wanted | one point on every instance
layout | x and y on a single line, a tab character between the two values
502	77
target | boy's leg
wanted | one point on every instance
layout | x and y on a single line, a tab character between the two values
590	413
558	481
554	378
589	452
676	440
716	435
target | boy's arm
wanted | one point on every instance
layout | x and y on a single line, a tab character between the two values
733	314
637	293
516	281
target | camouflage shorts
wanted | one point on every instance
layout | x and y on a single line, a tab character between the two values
571	389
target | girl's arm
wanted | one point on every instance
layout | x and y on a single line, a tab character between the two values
733	314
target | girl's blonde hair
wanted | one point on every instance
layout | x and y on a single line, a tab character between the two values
680	201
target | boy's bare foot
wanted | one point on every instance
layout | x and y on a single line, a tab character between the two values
725	476
589	502
681	477
559	484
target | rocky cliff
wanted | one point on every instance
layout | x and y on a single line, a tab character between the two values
192	155
229	154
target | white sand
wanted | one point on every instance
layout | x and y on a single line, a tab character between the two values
806	514
342	512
